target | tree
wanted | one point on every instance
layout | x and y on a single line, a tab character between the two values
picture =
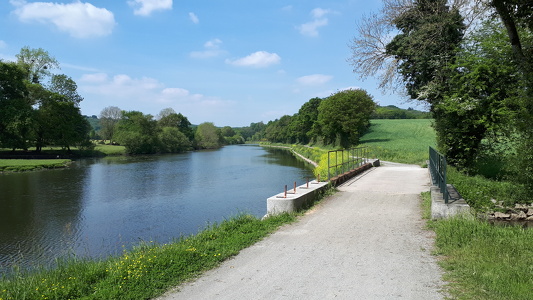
64	85
169	118
430	35
207	136
109	117
138	133
344	116
15	109
305	121
173	140
61	123
37	63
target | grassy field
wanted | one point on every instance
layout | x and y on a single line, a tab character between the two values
403	141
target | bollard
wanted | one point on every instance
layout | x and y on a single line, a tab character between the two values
307	182
318	178
285	195
295	187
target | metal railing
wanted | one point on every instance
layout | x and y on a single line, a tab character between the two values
437	168
341	161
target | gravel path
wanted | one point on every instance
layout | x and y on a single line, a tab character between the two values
365	242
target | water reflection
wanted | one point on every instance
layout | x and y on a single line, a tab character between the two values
99	207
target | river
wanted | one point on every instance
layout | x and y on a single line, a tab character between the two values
99	207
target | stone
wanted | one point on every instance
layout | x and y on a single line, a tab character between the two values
521	215
530	218
529	212
520	206
500	215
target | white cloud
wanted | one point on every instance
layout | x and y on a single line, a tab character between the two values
80	20
318	13
146	7
319	20
315	79
194	18
311	28
139	92
259	59
212	49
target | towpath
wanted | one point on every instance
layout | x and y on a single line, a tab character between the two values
365	242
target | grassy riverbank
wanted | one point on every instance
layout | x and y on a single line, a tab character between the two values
22	165
146	271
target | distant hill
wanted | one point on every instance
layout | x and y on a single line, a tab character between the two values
394	112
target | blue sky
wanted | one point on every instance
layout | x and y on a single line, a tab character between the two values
230	62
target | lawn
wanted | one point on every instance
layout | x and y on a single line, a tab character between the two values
19	165
403	141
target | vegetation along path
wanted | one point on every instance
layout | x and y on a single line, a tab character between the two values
365	242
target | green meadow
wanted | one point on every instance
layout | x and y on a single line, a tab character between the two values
403	141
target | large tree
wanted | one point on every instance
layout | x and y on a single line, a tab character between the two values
65	86
15	109
138	133
109	117
344	116
207	136
37	63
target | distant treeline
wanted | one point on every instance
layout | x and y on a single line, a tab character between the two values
394	112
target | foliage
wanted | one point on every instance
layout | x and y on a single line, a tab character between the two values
429	35
169	118
37	63
33	112
146	271
482	98
207	136
137	132
15	109
344	116
483	261
173	140
478	191
109	117
63	85
394	112
305	122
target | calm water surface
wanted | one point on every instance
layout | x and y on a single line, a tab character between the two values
99	207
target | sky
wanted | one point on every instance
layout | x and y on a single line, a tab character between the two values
229	62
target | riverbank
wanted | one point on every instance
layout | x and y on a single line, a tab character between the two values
52	158
146	271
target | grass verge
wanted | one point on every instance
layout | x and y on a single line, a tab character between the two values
483	261
20	165
146	271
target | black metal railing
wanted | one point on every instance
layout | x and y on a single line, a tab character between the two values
341	161
437	168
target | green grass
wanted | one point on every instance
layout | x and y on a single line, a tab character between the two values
146	271
402	141
110	150
483	261
478	190
20	165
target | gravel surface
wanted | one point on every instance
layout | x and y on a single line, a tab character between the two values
365	242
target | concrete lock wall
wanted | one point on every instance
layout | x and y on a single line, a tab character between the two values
293	201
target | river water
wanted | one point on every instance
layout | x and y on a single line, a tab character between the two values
99	207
